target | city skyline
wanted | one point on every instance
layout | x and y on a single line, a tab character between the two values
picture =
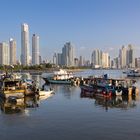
87	24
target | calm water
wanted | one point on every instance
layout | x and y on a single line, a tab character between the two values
68	116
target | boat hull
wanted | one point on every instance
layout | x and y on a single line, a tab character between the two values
45	93
16	93
50	81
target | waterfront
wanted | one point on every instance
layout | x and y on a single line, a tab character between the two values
67	115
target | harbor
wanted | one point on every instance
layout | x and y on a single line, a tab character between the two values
69	113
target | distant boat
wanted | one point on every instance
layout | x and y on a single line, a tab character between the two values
58	77
132	73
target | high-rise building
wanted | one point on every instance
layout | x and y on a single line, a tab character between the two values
40	59
105	60
130	56
96	58
24	44
76	62
80	61
4	53
127	57
12	44
35	49
68	55
123	57
59	59
55	59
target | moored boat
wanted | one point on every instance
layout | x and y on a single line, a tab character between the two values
111	87
58	77
11	87
132	73
45	92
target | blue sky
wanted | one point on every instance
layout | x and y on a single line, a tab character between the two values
88	24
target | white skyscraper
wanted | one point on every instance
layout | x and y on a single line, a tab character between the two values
24	44
68	55
123	57
96	58
12	44
105	60
35	49
4	53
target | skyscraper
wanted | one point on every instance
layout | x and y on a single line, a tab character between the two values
130	56
12	44
68	55
80	61
105	60
59	59
96	58
35	49
55	59
24	44
4	53
123	57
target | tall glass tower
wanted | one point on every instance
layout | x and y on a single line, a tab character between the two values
24	44
12	44
35	49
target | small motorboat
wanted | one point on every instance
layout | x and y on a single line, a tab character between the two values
45	92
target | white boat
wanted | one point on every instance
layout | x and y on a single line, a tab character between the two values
58	77
45	92
41	98
133	73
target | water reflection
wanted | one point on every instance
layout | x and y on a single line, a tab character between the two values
11	106
67	90
31	102
122	102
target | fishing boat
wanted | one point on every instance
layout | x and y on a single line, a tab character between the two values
58	77
96	90
11	87
31	87
113	87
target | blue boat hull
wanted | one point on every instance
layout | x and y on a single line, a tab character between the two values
58	81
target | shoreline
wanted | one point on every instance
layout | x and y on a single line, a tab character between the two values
50	70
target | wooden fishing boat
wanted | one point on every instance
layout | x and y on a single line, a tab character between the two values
11	87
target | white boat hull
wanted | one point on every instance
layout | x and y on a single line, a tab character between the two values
45	93
118	93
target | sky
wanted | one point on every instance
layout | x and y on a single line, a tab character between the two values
87	24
